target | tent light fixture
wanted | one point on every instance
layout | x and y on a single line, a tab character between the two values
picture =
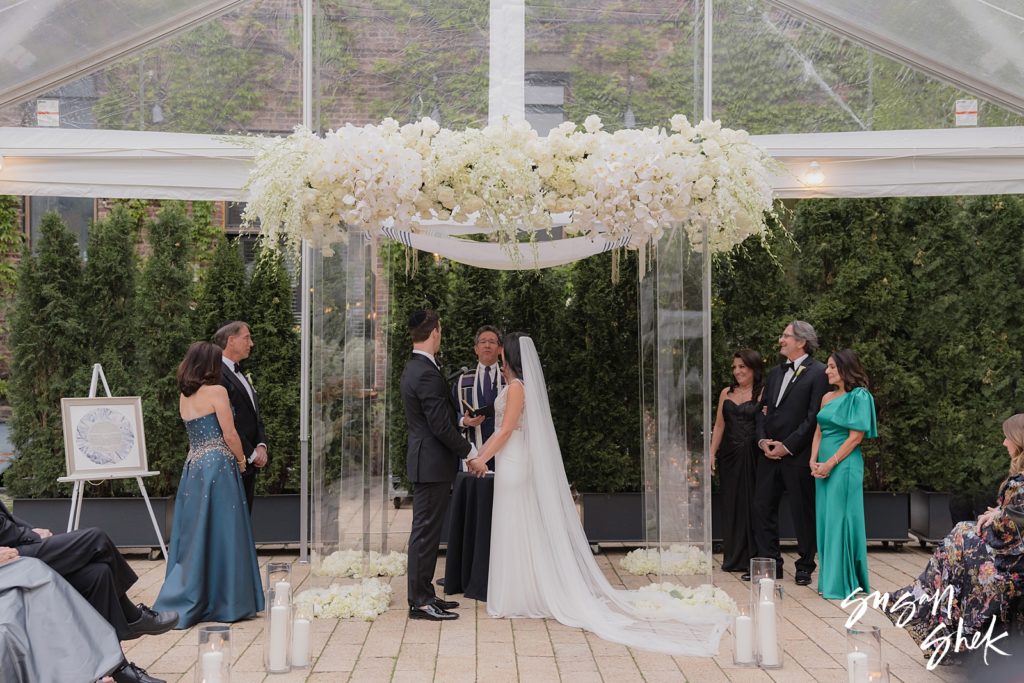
814	176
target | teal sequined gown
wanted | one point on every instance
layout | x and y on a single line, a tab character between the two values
839	498
212	571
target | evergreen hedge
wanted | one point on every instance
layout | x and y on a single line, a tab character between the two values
137	319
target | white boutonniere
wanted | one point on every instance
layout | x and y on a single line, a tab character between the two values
248	378
799	371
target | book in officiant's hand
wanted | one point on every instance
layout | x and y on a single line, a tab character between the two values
486	411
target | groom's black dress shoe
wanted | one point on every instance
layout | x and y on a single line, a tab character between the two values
151	623
445	604
129	673
745	576
432	613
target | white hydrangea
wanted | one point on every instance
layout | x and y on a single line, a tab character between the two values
630	183
365	600
703	595
357	564
677	560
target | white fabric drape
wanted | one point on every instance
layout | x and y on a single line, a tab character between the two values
496	257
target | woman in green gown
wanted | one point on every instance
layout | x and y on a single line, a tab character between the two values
846	418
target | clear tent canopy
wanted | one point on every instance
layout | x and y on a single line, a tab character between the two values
783	69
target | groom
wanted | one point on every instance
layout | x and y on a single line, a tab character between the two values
432	458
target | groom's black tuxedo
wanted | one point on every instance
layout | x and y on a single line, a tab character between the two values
432	460
792	422
249	425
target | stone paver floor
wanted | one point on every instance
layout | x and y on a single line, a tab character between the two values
477	647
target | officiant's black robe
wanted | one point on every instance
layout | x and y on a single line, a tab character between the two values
86	558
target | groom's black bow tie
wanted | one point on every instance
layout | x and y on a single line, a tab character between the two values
238	368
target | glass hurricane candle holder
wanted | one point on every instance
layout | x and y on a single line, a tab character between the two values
279	577
213	661
864	655
277	631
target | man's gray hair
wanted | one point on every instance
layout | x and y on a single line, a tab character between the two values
233	328
805	333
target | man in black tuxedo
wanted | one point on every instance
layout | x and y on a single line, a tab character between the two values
91	563
785	429
235	340
432	459
480	387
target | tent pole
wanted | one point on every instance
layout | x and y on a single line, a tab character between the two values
304	408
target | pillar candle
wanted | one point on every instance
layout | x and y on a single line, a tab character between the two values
210	666
278	659
767	638
744	639
282	593
857	667
300	642
767	587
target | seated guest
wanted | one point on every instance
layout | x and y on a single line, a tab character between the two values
89	561
48	632
977	572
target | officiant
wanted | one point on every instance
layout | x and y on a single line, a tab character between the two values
477	390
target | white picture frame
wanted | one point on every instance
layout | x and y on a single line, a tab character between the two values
104	437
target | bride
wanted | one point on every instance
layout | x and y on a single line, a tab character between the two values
541	564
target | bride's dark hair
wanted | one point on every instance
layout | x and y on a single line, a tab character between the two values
513	356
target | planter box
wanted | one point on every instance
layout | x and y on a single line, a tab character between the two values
125	520
275	519
930	519
886	517
617	517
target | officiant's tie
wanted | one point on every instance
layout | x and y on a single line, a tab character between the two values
488	390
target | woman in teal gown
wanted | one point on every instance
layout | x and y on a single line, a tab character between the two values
212	571
847	417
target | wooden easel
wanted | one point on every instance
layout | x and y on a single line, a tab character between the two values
77	493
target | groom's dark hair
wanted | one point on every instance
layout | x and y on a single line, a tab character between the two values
513	355
421	324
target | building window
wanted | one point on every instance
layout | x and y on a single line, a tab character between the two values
545	100
77	212
247	242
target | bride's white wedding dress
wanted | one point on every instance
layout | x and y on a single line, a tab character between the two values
541	564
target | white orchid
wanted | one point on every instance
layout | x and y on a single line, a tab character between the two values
630	183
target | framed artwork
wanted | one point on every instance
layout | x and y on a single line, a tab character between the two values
104	437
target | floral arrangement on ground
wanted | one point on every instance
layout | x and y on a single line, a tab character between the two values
704	595
677	560
508	179
357	564
365	600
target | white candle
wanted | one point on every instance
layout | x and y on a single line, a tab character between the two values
767	588
744	639
278	638
300	642
767	638
282	593
210	666
857	667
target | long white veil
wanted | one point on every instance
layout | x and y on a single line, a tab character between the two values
573	585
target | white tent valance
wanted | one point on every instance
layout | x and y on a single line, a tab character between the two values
118	164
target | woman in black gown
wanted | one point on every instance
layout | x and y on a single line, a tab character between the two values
733	454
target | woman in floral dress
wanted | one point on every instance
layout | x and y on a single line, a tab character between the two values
982	562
